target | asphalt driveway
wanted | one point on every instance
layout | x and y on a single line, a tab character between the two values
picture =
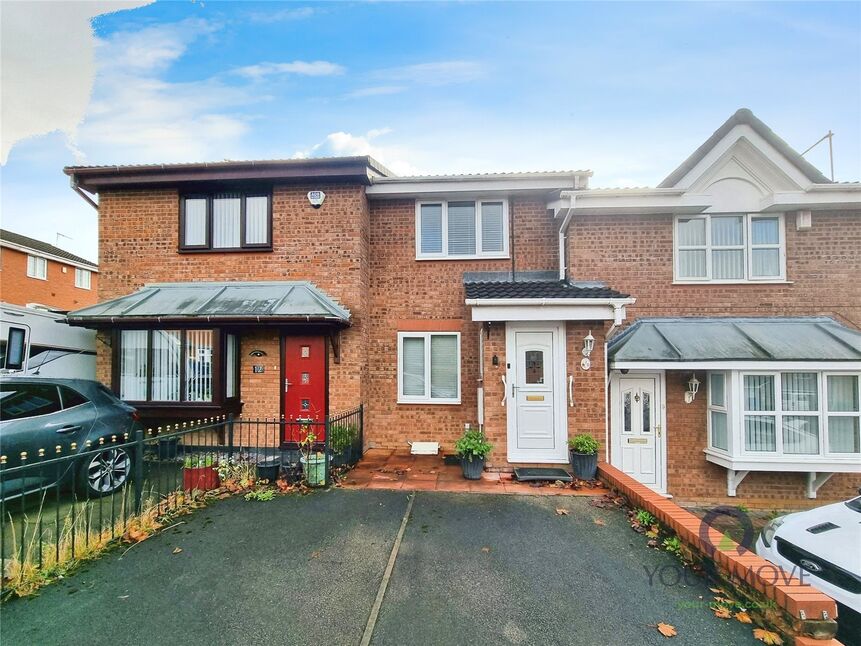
478	569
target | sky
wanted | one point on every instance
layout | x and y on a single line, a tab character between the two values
626	90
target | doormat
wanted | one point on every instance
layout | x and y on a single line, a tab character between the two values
540	474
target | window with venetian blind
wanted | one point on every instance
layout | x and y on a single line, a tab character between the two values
459	229
225	221
429	367
729	248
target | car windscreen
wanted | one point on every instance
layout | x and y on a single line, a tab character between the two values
854	504
18	401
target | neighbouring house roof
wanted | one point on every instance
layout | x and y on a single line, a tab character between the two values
42	248
221	302
360	169
744	116
689	340
536	289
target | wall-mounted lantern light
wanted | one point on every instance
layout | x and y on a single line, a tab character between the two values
693	388
588	346
257	353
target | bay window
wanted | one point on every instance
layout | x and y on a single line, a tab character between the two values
429	367
225	221
177	366
729	248
462	229
790	416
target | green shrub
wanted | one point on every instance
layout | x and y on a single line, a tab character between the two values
583	443
673	545
261	495
196	461
644	518
472	444
342	436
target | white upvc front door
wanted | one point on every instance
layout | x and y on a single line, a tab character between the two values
535	397
637	420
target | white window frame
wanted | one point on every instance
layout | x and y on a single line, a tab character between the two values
444	255
726	409
426	398
747	246
734	393
79	282
32	267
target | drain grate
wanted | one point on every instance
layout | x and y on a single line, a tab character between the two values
538	474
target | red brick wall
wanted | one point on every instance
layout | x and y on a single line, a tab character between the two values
138	234
57	291
404	290
634	254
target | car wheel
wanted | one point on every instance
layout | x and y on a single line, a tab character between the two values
105	472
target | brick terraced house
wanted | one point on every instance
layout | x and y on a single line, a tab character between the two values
706	331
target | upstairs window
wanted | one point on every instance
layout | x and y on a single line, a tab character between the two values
225	221
729	248
83	278
460	229
37	267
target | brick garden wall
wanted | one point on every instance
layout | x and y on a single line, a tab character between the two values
634	254
57	291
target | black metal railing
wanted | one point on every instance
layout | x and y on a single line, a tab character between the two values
68	502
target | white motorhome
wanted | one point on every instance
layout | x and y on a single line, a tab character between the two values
37	341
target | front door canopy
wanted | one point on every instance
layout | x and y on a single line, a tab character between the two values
214	303
733	342
544	300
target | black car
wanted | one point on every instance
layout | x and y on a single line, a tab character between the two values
43	413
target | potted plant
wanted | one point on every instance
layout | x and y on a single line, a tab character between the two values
584	456
198	472
313	462
472	447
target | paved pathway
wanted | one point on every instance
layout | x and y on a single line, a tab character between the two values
474	569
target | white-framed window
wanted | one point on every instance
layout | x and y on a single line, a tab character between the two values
83	278
429	367
793	415
37	267
461	229
718	423
729	248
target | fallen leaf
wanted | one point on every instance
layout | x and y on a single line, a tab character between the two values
177	550
717	590
667	630
315	554
600	522
743	617
767	637
561	512
722	612
485	549
723	600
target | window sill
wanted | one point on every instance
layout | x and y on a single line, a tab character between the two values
471	257
434	402
37	277
700	283
803	464
231	250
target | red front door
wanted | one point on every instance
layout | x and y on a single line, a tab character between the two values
304	387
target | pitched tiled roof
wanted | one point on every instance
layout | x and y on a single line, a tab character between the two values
43	247
536	289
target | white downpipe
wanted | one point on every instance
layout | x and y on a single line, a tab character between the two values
563	230
480	393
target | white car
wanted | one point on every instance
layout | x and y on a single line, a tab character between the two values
822	547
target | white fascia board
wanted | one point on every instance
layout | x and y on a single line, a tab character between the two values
740	131
837	366
442	188
800	464
636	202
541	302
832	199
551	311
41	254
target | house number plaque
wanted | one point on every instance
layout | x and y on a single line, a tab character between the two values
258	370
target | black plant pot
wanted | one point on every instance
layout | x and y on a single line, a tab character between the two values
472	469
268	469
167	449
584	465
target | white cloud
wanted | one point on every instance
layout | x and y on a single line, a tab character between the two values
136	116
282	15
344	144
302	68
48	69
377	90
434	74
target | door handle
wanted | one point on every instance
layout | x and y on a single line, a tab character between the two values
69	429
570	391
658	430
286	385
504	391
